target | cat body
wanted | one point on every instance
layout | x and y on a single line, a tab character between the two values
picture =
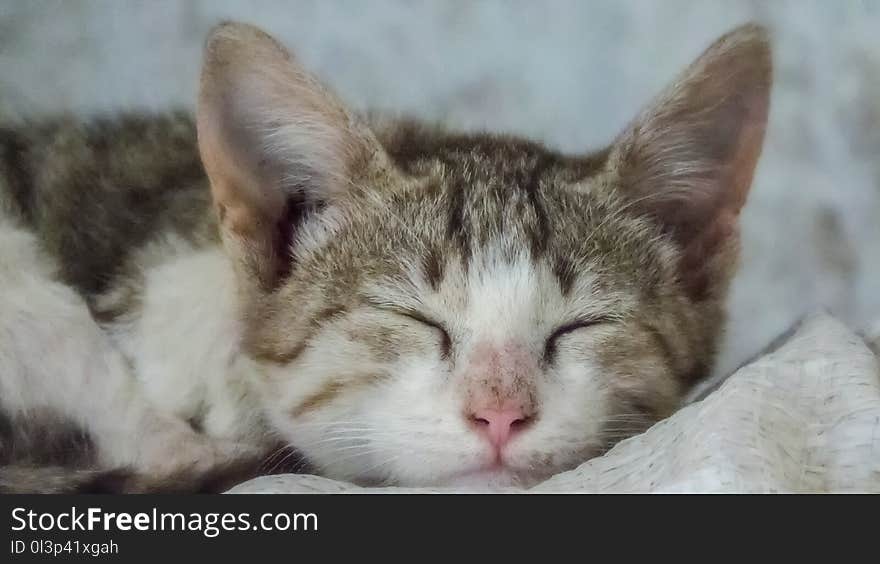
394	302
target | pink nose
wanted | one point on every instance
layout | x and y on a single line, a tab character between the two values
499	424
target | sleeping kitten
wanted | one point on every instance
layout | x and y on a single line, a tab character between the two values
397	303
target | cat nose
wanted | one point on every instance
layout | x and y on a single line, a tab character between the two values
499	425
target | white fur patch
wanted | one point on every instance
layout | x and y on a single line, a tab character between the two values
54	357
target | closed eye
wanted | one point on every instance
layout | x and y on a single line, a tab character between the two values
550	345
445	340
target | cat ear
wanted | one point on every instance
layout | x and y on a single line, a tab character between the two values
275	144
688	159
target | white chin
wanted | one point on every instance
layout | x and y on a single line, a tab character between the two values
484	480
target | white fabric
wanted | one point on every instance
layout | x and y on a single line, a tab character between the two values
804	418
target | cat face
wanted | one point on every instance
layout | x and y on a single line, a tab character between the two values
429	308
499	310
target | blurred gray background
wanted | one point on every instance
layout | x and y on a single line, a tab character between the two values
568	72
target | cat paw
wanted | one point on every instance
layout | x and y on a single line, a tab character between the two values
171	448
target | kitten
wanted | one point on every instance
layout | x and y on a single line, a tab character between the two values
397	303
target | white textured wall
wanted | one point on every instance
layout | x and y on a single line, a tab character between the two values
568	72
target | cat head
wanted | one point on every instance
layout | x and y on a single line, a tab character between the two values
428	307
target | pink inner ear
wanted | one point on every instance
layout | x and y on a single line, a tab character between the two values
721	233
744	160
